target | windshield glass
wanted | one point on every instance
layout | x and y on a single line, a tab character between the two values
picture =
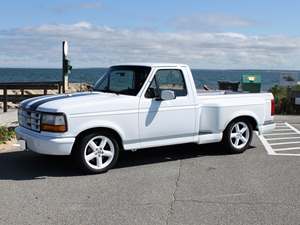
126	80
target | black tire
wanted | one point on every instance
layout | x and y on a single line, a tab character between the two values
227	140
82	149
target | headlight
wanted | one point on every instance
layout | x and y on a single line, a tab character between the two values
20	112
53	122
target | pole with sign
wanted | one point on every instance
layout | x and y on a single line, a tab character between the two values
66	66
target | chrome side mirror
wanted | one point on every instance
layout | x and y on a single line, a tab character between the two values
167	95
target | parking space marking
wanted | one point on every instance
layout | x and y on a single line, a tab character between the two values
285	143
266	144
293	128
278	136
287	149
281	138
282	130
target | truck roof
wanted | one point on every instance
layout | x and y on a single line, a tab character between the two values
154	64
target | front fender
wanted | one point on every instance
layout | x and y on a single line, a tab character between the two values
98	123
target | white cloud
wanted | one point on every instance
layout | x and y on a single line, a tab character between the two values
95	46
210	22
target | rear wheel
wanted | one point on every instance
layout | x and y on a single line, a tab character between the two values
97	152
238	136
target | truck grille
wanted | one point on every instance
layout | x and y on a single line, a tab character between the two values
29	119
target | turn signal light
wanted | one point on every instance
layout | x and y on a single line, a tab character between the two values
53	128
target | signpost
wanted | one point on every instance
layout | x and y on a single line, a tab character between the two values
66	66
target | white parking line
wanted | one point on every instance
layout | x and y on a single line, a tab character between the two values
281	130
266	144
277	134
286	149
286	154
293	128
280	139
285	143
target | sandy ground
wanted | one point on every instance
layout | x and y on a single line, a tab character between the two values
9	118
10	146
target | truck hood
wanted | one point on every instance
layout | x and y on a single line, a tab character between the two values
83	102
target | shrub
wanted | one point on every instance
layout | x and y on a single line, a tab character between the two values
283	101
6	134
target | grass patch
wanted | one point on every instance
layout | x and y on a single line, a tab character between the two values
6	134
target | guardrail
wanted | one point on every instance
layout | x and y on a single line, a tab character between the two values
22	86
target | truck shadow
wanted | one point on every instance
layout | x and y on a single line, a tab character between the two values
21	165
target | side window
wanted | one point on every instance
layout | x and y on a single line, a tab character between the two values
169	79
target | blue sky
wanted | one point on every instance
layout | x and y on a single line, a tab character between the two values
227	34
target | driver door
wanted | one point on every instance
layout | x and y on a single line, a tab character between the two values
166	121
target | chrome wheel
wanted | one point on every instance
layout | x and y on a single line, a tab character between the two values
239	135
99	152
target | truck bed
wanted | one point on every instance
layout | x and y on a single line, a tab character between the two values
202	92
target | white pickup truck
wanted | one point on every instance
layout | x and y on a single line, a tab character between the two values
139	106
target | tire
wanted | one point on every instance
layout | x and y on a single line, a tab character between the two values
97	152
238	136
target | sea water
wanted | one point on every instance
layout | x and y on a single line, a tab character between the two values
201	77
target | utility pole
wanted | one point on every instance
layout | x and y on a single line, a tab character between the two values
66	66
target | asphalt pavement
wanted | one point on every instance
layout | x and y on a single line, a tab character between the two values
184	184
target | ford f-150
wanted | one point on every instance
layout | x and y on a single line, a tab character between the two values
135	106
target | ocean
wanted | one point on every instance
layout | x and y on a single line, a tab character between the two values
208	77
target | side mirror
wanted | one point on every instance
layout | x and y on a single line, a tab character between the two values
167	95
151	93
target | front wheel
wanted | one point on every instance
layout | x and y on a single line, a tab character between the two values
97	152
238	136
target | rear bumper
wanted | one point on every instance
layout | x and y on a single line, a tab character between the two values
267	127
43	144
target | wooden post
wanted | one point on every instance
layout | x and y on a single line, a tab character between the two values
5	100
59	88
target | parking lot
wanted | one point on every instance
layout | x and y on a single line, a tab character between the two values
283	141
186	184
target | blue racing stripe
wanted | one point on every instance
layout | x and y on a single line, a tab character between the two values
35	105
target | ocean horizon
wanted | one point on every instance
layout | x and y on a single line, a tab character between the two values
209	77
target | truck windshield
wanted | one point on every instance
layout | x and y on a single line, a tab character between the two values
126	80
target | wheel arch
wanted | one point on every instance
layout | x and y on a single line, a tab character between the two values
248	118
111	131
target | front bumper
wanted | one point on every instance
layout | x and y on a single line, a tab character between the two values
39	143
266	127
